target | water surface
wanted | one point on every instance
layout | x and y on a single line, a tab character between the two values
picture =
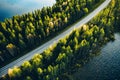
9	8
105	66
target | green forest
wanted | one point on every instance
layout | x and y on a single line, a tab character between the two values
57	59
20	34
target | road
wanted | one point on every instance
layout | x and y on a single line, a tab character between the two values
43	47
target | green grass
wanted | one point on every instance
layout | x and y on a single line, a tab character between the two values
50	37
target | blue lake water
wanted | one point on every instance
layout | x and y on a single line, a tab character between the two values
105	66
9	8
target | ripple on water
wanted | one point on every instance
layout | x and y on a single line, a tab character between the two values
105	66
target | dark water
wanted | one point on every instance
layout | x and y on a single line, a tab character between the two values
9	8
105	66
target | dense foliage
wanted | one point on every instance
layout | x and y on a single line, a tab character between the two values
117	15
106	20
54	61
25	32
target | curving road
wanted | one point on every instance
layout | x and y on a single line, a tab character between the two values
40	49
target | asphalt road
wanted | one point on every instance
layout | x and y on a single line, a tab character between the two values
43	47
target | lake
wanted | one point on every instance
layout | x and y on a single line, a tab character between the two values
9	8
105	66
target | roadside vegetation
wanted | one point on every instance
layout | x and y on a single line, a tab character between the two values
20	34
80	44
109	18
117	16
55	60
